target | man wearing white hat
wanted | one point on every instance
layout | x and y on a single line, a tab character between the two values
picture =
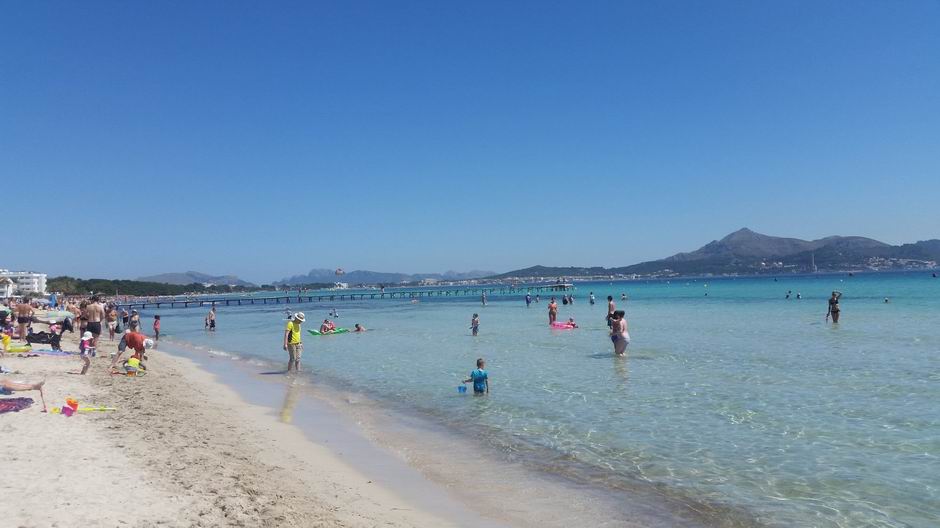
134	340
292	341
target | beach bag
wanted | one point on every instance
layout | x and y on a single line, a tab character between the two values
118	328
44	338
39	337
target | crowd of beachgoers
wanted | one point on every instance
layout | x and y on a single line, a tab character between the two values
32	327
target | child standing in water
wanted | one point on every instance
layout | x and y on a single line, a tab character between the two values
480	379
475	324
156	328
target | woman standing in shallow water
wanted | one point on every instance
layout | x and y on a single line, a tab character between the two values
619	335
834	307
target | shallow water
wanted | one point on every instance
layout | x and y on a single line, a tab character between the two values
742	402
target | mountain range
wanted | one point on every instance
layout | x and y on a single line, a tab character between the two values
743	252
191	277
747	252
318	276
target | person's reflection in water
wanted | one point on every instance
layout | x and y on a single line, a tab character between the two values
290	401
622	371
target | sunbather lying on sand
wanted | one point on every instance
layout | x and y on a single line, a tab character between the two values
12	386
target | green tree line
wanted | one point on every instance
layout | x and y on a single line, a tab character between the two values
73	286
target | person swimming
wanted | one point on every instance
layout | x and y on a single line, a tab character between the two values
359	328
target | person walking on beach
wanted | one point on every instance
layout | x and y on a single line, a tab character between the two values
475	324
86	350
94	314
834	307
135	321
618	333
82	317
292	341
552	311
156	328
611	308
112	322
480	379
24	316
125	317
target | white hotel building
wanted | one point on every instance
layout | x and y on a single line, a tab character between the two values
26	282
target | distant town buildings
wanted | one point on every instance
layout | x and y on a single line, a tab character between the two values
24	282
7	288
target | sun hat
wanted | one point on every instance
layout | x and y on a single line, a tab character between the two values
148	343
87	335
300	316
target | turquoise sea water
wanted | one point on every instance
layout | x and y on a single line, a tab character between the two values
740	400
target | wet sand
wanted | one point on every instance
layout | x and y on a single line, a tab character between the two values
182	449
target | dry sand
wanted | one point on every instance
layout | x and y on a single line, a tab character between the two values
181	450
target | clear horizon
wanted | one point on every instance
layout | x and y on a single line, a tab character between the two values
234	138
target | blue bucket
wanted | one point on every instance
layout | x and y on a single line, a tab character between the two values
462	389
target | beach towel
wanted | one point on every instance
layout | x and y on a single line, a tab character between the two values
50	352
14	404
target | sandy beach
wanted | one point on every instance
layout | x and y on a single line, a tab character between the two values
182	449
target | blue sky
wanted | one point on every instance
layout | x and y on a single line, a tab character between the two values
265	139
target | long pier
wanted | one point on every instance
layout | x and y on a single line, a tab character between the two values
332	296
